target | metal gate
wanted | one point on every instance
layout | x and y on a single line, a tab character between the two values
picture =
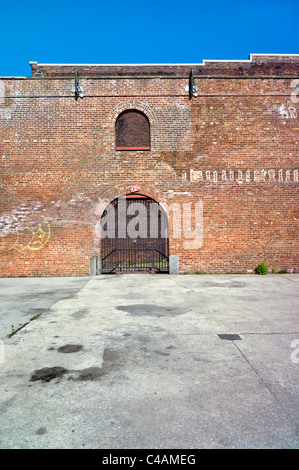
134	236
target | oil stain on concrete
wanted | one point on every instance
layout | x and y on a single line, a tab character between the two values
226	284
41	431
70	348
151	310
46	374
113	360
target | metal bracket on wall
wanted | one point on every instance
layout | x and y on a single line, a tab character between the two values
77	89
191	88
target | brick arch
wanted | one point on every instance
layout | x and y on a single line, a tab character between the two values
115	192
131	104
121	252
125	105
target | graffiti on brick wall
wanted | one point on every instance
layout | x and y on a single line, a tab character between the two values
284	112
15	237
24	228
240	176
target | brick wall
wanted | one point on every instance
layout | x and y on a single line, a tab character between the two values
233	149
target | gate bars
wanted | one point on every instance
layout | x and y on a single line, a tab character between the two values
134	253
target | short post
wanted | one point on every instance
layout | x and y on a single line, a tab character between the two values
173	264
99	266
92	266
95	266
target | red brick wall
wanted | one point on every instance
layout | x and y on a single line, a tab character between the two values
234	147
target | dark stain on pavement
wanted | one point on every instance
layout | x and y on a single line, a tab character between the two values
113	360
91	373
151	310
80	314
226	284
70	348
46	374
41	431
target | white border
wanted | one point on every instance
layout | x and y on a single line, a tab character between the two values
170	64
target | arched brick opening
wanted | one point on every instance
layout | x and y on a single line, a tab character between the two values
134	236
132	131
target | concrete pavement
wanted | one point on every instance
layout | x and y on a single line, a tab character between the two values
138	361
23	299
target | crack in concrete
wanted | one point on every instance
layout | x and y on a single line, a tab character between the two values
266	386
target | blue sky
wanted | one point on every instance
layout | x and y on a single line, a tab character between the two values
131	31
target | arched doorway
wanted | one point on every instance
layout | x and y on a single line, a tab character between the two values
134	236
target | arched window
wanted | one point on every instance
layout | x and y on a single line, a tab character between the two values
132	131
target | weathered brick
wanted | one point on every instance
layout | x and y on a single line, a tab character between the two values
234	147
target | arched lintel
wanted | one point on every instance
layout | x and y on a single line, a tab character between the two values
115	192
131	105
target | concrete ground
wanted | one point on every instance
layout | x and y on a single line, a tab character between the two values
136	362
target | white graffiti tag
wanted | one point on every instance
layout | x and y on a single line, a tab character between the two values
284	112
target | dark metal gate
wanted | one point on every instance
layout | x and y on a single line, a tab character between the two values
134	236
